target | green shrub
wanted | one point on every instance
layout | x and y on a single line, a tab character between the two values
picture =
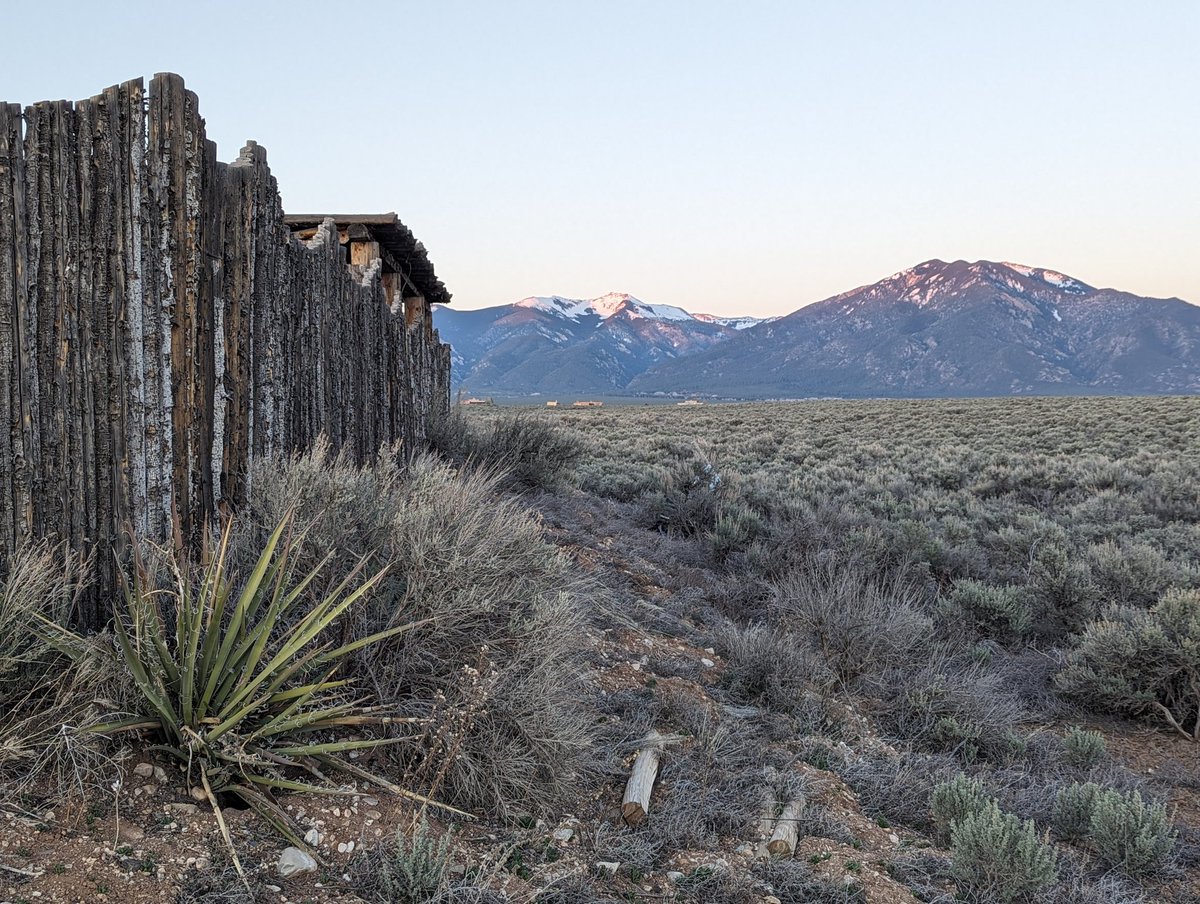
1073	809
1135	662
1003	613
1084	749
953	801
999	857
410	870
688	496
1128	833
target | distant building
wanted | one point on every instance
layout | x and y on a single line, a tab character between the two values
553	403
477	402
689	403
587	404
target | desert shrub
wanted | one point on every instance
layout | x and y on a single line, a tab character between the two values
736	528
527	451
710	886
1136	661
1129	833
924	873
1130	574
640	849
953	801
412	870
767	666
860	624
896	787
712	784
220	883
1003	613
1073	809
499	615
953	706
689	494
1080	883
1084	749
998	856
1064	597
45	699
793	882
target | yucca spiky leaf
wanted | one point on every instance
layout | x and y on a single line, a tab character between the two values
242	685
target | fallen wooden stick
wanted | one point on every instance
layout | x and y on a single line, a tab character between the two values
783	839
635	806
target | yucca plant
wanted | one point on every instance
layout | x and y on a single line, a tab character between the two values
243	687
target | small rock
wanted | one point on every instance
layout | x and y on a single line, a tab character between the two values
371	801
312	837
894	838
373	814
607	866
566	833
183	809
674	875
274	888
710	651
198	795
128	833
293	861
342	848
771	899
145	770
160	775
707	663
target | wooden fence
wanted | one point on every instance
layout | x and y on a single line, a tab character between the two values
160	327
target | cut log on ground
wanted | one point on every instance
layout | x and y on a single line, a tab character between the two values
783	839
635	806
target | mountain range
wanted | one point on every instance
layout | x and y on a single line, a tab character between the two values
937	329
566	345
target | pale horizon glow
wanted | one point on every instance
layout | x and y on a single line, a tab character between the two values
727	160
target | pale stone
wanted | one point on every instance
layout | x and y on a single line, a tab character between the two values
145	770
293	861
312	837
128	833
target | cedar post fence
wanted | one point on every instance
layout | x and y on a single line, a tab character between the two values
160	326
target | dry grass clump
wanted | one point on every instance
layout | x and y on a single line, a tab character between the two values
45	699
527	451
861	624
499	617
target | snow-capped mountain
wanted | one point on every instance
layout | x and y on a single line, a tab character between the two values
956	329
551	344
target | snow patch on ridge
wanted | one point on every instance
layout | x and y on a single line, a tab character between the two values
604	307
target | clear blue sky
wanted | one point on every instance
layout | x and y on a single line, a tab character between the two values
743	157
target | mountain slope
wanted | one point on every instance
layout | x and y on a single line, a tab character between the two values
553	344
957	328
